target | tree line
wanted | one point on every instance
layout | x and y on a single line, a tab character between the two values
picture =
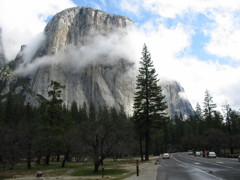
53	132
209	129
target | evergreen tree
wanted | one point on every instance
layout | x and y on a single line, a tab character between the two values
198	111
74	112
209	110
83	113
29	134
232	126
10	109
198	120
55	122
149	105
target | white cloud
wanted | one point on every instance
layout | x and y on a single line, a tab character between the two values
132	6
172	8
103	2
195	75
225	41
99	49
166	44
32	47
22	20
223	31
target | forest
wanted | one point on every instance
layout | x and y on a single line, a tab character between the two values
53	132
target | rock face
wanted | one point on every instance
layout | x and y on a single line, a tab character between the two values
75	25
176	99
2	56
16	85
104	80
100	83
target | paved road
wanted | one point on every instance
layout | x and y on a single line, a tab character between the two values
187	167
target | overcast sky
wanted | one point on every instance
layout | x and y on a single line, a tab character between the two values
195	42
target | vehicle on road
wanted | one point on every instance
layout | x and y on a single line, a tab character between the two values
166	156
212	155
198	153
190	152
182	166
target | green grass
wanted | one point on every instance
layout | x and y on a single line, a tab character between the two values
21	170
112	170
107	172
2	177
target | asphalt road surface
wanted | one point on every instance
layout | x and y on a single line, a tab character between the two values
188	167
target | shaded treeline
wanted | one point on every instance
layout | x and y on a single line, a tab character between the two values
208	129
53	132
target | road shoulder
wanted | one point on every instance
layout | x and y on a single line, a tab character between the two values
147	170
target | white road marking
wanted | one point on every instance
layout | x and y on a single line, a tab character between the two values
198	169
209	162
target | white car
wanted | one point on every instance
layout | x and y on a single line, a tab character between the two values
190	152
198	153
212	155
166	156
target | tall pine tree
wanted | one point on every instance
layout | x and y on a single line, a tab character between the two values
149	106
55	125
209	109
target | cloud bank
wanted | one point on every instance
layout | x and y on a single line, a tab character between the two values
99	49
22	20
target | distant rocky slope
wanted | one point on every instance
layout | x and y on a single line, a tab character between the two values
102	80
176	99
2	56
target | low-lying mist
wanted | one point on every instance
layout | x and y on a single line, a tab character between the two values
99	49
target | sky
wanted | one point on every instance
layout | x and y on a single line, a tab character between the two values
195	42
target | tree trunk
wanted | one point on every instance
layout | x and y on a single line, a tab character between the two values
29	158
38	161
29	166
231	150
141	148
63	162
58	158
231	146
47	160
147	146
96	166
66	157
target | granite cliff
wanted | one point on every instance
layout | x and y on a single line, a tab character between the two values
103	79
104	82
176	99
